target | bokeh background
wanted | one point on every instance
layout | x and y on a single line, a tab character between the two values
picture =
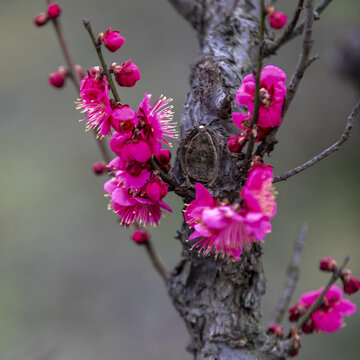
72	285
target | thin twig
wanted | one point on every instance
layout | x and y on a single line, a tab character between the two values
97	46
320	298
303	62
336	146
292	277
257	100
285	36
159	266
74	75
299	28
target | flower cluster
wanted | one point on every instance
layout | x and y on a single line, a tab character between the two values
136	189
53	11
225	229
272	95
328	316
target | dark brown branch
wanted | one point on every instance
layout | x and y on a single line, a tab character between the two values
159	266
285	36
299	28
76	80
336	146
292	277
303	62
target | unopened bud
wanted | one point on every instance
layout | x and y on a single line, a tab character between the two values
308	327
112	40
54	11
351	283
163	157
236	143
56	79
127	74
41	19
141	237
277	330
80	71
99	168
328	264
277	20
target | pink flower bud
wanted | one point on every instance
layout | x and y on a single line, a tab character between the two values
141	237
127	74
308	327
54	11
328	264
236	143
80	71
277	19
41	19
56	79
112	40
99	168
296	311
124	119
156	189
164	157
351	284
277	330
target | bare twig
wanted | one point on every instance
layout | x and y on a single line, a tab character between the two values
76	80
292	277
284	37
303	62
257	100
336	146
298	30
159	266
320	299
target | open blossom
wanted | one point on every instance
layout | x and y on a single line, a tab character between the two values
157	120
258	193
328	317
134	207
272	94
222	229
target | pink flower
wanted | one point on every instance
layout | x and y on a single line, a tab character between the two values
112	40
258	192
127	74
124	119
133	207
221	229
277	20
157	120
272	93
328	316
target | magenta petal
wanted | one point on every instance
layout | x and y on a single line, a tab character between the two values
164	206
122	197
272	74
238	118
134	182
110	185
140	151
328	322
309	297
214	217
346	307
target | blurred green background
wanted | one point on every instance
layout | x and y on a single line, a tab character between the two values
72	285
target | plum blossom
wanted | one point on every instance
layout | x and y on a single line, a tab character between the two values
272	94
328	317
223	229
126	74
112	40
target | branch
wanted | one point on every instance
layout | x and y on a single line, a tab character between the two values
76	80
287	32
336	146
320	299
159	266
298	30
303	62
292	277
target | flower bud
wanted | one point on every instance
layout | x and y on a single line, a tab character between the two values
112	40
163	157
80	71
296	311
127	74
328	264
156	189
277	330
308	327
41	19
277	19
99	168
141	237
56	79
351	283
54	11
236	143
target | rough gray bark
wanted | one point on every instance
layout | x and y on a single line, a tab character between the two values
219	302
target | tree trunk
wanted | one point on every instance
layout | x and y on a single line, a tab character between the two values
220	302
